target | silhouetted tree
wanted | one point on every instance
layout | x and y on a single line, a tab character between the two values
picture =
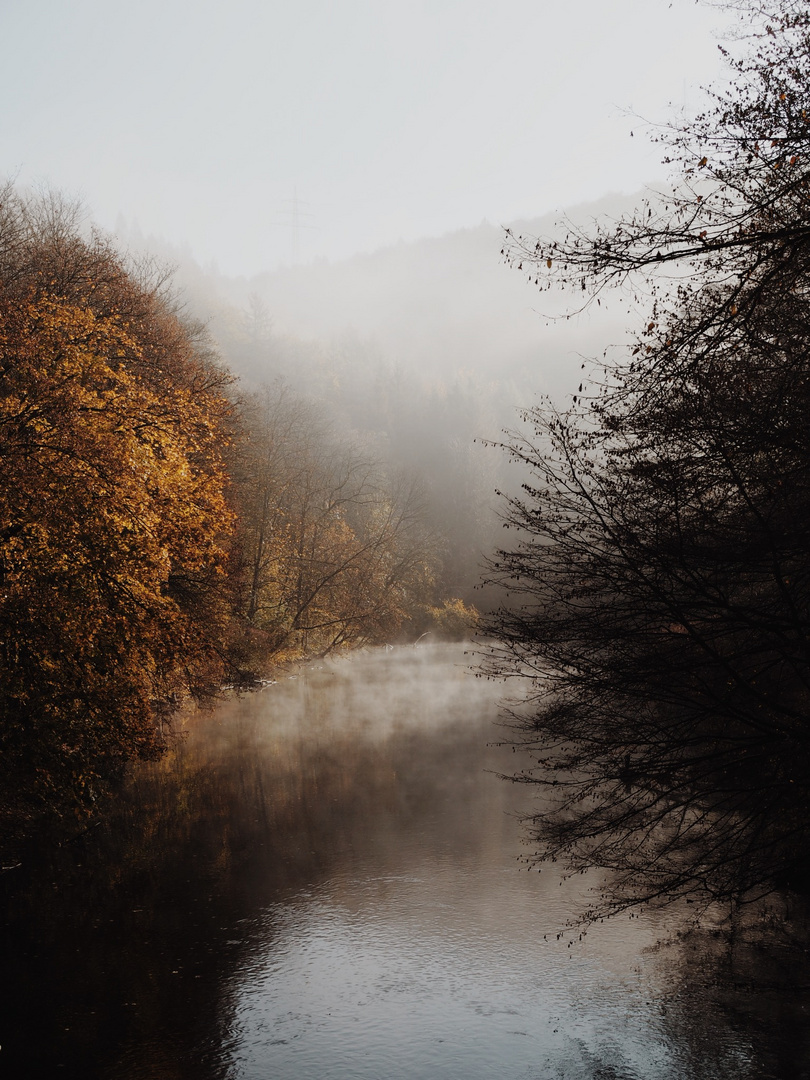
662	575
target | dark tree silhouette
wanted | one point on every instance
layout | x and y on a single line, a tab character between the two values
661	579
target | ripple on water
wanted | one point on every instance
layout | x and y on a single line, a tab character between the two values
322	882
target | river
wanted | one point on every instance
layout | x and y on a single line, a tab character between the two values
323	880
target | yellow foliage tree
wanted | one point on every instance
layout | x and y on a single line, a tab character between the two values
112	520
336	554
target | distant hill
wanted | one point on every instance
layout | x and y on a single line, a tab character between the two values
437	306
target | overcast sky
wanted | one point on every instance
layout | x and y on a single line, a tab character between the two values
209	122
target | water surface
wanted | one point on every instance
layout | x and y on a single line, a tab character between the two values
323	880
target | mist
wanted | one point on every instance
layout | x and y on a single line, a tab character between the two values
422	353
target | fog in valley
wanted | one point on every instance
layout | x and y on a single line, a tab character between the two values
422	353
331	186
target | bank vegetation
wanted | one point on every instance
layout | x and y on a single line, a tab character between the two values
162	532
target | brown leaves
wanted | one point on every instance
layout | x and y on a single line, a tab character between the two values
111	491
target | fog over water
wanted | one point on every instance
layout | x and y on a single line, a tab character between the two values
324	880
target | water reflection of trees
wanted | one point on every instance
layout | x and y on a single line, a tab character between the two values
120	947
746	977
140	936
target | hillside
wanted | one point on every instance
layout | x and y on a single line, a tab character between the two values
437	306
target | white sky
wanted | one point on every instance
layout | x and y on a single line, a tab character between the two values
199	119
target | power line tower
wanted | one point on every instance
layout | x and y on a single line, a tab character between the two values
295	211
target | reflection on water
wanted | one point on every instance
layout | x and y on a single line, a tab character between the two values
323	882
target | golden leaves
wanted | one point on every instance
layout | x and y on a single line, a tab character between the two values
111	489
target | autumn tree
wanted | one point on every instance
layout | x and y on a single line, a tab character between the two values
113	519
334	553
661	570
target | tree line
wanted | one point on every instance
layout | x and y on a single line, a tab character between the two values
661	569
163	533
423	423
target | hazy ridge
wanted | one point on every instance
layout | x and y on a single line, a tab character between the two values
437	306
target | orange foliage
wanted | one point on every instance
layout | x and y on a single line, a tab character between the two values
113	522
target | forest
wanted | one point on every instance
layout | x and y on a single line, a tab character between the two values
165	531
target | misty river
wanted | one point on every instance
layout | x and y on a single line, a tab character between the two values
323	881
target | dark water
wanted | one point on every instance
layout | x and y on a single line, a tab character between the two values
322	881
